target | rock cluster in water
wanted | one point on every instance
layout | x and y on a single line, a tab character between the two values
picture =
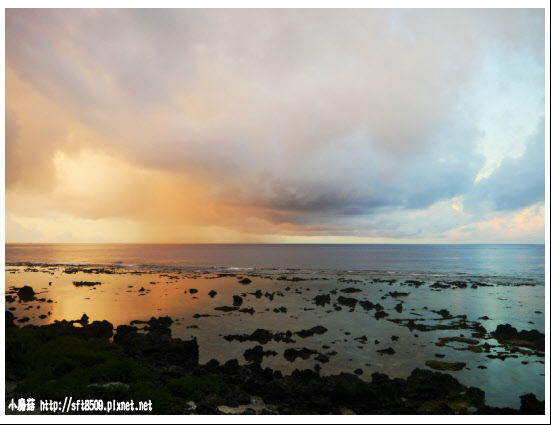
169	370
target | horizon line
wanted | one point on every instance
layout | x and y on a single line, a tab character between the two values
274	243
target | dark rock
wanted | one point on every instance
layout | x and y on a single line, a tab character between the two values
10	319
230	368
505	332
245	281
530	339
193	291
85	283
212	293
439	285
96	329
361	339
433	364
284	337
297	279
368	305
157	347
322	358
348	390
254	354
304	353
530	405
226	309
380	315
261	336
209	405
243	399
415	283
212	365
160	323
396	294
318	330
83	320
302	392
26	293
443	312
257	354
388	350
347	301
237	300
197	315
423	385
351	290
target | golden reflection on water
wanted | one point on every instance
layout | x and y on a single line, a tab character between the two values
118	299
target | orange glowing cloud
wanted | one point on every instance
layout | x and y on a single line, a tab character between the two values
178	126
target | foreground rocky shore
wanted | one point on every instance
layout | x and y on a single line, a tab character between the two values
94	361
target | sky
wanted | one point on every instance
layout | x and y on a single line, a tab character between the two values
275	125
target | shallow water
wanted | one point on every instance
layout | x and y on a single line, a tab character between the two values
119	300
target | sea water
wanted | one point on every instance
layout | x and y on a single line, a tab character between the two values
166	272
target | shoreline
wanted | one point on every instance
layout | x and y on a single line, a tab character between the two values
151	364
330	324
198	271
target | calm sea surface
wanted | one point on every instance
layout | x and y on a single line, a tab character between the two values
506	283
524	262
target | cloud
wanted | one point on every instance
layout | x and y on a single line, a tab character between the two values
524	226
271	121
25	233
518	182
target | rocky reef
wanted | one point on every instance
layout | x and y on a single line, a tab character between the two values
60	359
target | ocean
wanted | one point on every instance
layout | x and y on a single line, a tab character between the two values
518	263
478	285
